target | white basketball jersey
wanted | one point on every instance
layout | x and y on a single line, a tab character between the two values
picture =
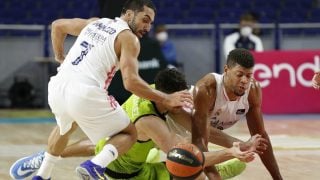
226	113
93	56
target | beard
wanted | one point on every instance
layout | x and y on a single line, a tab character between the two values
132	24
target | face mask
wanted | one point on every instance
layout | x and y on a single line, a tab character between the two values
246	31
162	36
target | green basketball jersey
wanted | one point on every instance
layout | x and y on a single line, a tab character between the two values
135	158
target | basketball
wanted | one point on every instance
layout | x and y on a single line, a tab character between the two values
185	161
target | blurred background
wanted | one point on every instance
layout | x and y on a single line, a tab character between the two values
197	29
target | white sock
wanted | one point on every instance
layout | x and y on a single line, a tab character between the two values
47	165
106	156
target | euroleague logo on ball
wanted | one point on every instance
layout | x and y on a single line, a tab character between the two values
174	154
185	161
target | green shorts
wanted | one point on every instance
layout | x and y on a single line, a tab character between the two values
148	171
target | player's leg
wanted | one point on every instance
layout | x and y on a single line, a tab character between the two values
81	148
56	144
153	171
230	168
117	144
42	160
101	117
26	166
59	137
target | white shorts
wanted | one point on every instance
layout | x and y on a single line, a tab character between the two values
97	114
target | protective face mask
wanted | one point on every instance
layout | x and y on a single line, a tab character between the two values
246	31
162	36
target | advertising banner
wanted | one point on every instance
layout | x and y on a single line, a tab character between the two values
285	78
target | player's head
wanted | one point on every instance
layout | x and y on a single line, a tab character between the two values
161	33
170	81
140	15
247	23
239	70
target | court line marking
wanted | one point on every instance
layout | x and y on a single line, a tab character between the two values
26	120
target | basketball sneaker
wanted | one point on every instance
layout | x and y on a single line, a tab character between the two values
90	171
231	168
26	166
39	178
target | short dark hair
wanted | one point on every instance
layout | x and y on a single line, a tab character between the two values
160	28
248	17
170	80
240	56
137	5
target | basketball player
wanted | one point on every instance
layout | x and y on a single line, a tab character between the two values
316	80
78	93
152	129
222	100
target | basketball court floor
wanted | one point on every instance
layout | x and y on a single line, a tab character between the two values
295	138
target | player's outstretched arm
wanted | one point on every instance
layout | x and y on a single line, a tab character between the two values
216	136
130	48
204	98
256	126
155	128
215	157
60	28
222	139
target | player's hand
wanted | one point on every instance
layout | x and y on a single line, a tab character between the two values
316	80
178	100
255	144
245	156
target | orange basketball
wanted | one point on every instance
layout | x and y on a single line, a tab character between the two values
185	161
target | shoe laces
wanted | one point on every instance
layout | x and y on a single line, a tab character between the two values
34	162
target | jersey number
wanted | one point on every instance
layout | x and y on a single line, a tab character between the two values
86	47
